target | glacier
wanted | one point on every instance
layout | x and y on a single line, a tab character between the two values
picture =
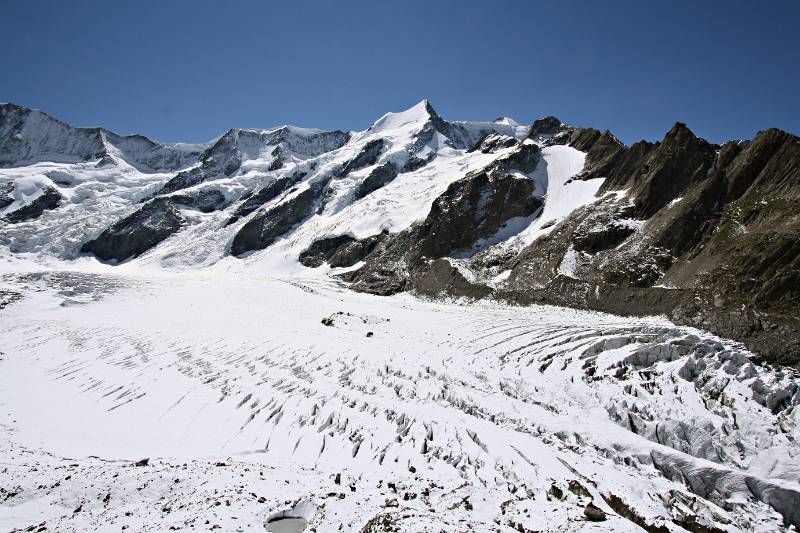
188	387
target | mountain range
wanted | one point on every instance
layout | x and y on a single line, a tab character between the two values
548	213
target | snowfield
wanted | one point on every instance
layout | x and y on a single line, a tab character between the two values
255	399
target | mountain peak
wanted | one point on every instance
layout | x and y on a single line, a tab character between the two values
545	126
420	113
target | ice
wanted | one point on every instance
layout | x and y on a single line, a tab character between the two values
448	412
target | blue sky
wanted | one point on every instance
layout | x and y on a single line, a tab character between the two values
187	71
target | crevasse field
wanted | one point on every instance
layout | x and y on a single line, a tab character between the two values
191	390
426	416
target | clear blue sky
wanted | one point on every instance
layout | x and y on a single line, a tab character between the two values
188	70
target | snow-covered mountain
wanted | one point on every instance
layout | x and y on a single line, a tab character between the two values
194	303
29	136
669	226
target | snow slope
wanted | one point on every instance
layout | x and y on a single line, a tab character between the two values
97	197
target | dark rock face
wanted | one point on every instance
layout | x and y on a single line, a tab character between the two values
5	194
386	272
655	173
602	155
601	231
266	194
368	156
185	179
49	199
545	126
340	251
265	227
135	234
472	208
440	277
668	169
494	142
416	156
321	250
379	177
583	138
205	200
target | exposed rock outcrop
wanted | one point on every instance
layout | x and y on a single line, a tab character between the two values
265	227
48	199
549	125
204	200
473	208
379	177
5	194
252	201
366	157
340	251
138	232
494	142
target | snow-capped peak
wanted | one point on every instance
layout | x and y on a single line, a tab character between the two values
507	121
420	113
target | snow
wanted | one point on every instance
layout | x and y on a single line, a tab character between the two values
442	403
569	263
26	190
414	115
256	416
97	197
564	195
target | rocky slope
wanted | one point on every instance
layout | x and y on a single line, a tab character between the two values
705	234
702	233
